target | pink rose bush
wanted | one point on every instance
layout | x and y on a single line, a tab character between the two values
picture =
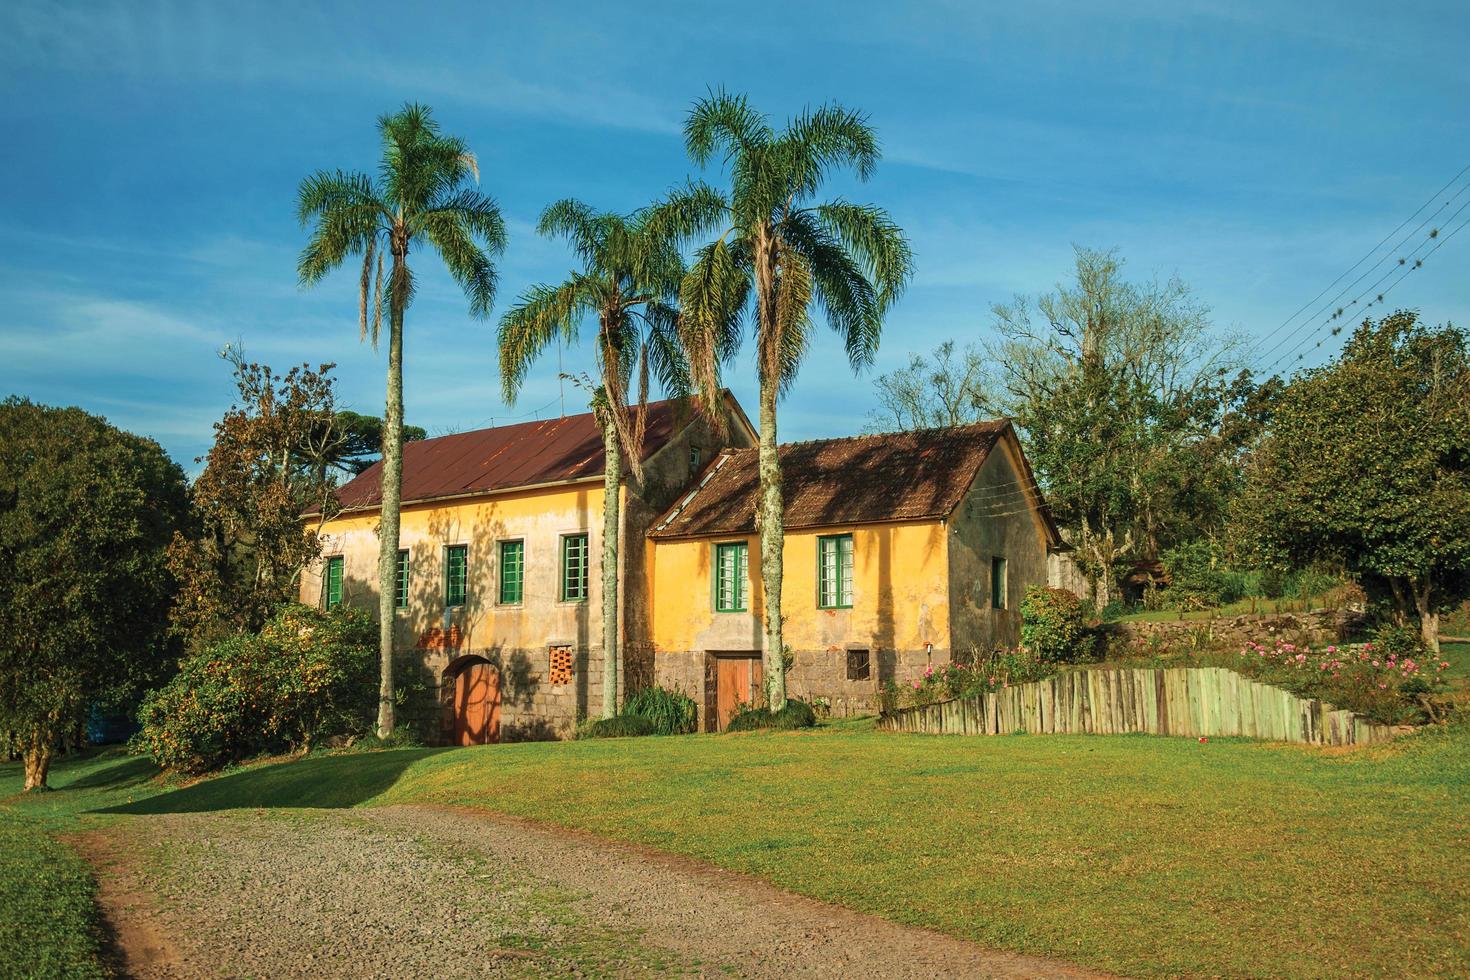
1387	687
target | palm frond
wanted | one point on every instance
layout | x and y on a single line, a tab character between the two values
782	354
877	242
712	302
346	213
685	212
847	297
453	232
723	120
577	223
529	326
830	136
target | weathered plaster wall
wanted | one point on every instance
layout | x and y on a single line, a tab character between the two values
516	638
899	608
995	520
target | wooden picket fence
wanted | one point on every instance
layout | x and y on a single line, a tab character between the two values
1190	701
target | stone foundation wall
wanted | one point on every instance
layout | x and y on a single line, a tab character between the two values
812	676
531	708
1317	628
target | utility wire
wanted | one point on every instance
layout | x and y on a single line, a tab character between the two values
1408	263
1295	331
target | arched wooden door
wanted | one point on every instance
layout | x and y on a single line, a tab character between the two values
477	704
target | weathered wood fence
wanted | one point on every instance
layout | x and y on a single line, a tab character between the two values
1173	701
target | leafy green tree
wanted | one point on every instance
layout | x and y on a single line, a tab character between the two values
628	282
1110	381
1368	463
86	513
242	558
778	251
944	388
420	195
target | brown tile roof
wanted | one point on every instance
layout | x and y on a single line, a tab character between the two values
865	479
506	457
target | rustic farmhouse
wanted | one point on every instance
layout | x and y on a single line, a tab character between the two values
901	550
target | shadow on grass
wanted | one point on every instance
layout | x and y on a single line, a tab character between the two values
120	775
330	782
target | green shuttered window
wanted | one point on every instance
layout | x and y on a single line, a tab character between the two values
400	584
332	583
834	571
732	576
574	568
456	572
512	572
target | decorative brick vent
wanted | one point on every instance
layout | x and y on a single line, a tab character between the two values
858	665
562	665
441	639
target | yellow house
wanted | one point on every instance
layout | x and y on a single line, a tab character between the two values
499	593
901	551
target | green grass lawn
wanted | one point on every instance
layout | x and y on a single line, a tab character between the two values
1136	854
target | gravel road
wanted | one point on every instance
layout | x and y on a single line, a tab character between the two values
416	891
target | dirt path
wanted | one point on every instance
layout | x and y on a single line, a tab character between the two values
415	891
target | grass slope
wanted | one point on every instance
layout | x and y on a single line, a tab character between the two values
1136	854
49	927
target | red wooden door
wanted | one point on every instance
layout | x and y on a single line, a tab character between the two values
737	682
477	705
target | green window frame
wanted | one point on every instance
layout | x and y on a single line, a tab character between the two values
400	582
456	573
574	568
998	583
512	572
332	582
732	576
834	571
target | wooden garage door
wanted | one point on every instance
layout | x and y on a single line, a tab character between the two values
477	704
737	682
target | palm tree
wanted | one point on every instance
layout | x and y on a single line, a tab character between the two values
775	242
629	277
421	193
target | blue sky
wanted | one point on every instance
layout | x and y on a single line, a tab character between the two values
152	153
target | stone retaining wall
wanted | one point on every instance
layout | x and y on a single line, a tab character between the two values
1317	628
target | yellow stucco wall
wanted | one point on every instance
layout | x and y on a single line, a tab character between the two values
538	517
900	593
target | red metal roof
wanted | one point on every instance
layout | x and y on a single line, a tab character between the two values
896	476
506	457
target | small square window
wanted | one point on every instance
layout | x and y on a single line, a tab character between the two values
696	456
858	665
562	666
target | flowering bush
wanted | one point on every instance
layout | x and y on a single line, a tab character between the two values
1385	686
308	675
961	680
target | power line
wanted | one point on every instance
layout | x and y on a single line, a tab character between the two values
1409	263
1295	332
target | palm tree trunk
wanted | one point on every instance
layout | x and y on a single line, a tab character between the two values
611	486
773	541
392	493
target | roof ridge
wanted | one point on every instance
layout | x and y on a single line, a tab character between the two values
997	423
